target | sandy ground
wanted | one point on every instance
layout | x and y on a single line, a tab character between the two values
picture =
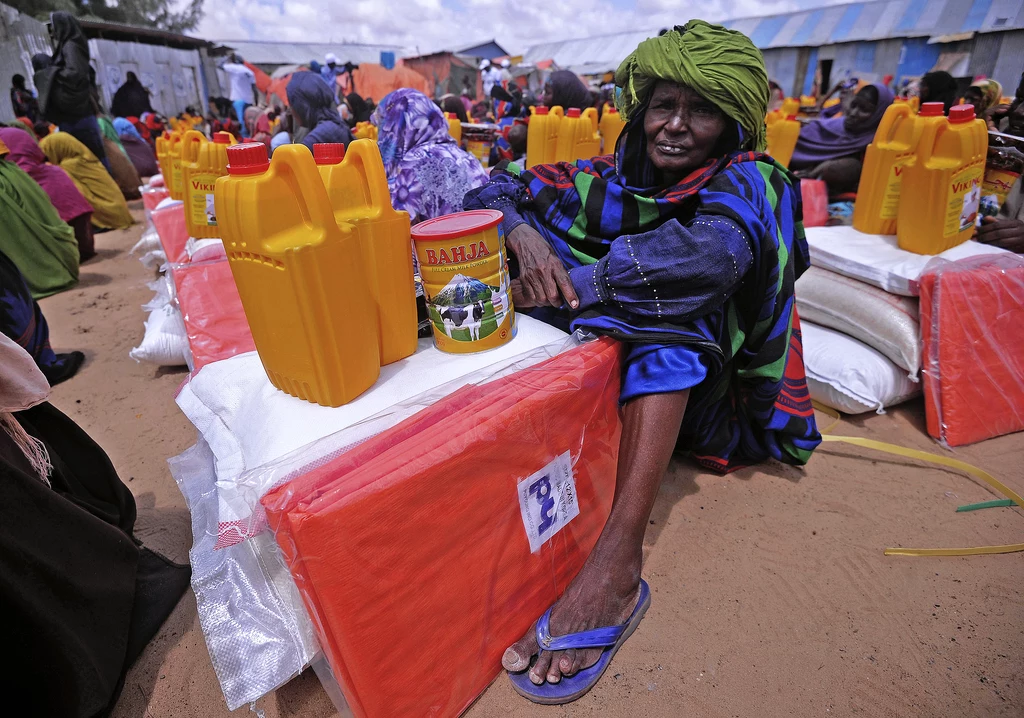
771	593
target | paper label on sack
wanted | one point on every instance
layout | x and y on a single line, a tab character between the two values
548	501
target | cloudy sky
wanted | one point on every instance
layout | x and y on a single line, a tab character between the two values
430	25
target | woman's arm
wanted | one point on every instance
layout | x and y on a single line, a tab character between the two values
543	280
673	273
502	192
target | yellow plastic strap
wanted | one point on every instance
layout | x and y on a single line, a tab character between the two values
929	457
829	411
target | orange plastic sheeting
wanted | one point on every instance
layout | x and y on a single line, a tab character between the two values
268	85
415	545
214	318
263	80
376	81
972	314
171	229
279	87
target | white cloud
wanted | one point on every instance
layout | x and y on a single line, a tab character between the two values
430	25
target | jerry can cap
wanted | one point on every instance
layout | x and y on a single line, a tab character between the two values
222	138
541	109
572	112
791	117
932	109
328	153
613	110
961	113
460	224
248	158
451	116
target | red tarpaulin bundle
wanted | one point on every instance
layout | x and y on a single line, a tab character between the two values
972	337
153	196
449	534
213	314
172	231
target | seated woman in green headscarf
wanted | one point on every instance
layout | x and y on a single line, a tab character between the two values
685	246
41	245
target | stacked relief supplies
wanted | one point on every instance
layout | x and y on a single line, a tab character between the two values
858	302
181	239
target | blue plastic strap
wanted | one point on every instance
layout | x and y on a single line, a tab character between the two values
595	638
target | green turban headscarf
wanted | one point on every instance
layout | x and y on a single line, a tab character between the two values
722	65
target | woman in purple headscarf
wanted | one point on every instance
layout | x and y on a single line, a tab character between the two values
833	149
428	174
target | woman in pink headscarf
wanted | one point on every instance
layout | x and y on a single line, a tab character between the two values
72	207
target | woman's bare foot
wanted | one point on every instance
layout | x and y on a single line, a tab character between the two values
604	593
606	590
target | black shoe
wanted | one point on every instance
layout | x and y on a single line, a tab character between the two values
66	366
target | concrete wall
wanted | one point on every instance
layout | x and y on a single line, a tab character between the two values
782	66
174	77
21	37
999	55
1009	63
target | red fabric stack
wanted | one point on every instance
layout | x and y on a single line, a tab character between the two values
173	233
213	314
972	331
449	534
154	196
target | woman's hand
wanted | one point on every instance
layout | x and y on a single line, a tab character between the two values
543	281
1005	233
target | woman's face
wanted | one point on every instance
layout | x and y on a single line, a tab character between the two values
682	129
1015	126
862	107
548	96
973	97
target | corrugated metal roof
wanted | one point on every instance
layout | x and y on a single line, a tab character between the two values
582	55
854	22
300	53
824	26
881	20
489	50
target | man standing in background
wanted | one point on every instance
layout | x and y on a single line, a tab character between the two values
330	71
243	88
490	75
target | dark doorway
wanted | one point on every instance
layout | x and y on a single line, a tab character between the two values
825	68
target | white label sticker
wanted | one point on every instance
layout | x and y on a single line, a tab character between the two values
548	501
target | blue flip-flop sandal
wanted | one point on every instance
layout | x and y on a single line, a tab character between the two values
610	638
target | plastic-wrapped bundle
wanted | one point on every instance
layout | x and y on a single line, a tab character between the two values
455	529
213	314
170	226
252	427
256	629
972	314
152	195
877	259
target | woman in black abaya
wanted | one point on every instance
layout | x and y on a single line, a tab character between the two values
80	597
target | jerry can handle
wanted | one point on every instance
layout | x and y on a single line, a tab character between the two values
370	166
297	161
190	145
